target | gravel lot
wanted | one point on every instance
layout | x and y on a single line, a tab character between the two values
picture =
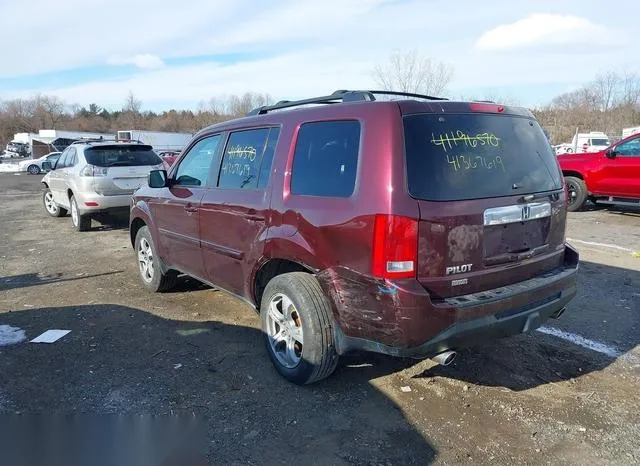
568	395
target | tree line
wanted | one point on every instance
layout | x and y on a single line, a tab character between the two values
609	103
49	112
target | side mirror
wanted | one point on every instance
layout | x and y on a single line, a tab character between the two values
158	179
46	166
611	153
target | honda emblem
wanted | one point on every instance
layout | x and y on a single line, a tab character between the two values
526	212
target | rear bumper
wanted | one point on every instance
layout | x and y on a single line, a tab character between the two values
93	203
471	332
468	320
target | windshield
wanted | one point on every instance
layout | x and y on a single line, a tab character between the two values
121	156
600	142
472	156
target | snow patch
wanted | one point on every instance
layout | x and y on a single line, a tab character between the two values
582	341
11	335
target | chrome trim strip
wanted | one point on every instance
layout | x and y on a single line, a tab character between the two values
517	213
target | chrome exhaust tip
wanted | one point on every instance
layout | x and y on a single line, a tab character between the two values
558	313
445	358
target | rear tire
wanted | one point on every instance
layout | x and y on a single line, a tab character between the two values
79	222
297	323
50	206
577	193
151	274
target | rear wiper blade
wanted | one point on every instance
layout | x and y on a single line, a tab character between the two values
532	197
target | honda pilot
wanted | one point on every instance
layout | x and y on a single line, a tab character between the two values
380	221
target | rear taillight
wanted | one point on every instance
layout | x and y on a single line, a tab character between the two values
395	247
92	170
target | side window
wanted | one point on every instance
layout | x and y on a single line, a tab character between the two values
326	159
242	158
630	148
63	159
72	157
195	167
267	157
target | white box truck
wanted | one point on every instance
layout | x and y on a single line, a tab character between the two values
595	141
159	140
629	131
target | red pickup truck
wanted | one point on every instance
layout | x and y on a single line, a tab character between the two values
611	176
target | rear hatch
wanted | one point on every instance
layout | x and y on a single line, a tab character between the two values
491	200
120	169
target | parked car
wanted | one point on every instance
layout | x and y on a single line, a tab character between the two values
411	227
34	166
611	176
92	177
169	157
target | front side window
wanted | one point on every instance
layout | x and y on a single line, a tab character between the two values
242	159
195	167
629	148
326	159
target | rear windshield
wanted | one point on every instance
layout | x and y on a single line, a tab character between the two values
471	156
121	156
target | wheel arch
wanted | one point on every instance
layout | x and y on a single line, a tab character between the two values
573	173
136	224
271	268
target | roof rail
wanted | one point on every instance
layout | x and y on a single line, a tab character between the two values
87	140
339	96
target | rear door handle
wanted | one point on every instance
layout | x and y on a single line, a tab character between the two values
190	208
252	214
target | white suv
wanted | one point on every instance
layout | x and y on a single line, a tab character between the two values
96	176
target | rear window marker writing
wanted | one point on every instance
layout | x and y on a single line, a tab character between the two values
460	137
471	162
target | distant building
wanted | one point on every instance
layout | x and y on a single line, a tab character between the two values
50	140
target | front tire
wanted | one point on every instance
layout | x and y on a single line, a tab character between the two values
50	206
33	170
80	222
577	193
297	325
151	274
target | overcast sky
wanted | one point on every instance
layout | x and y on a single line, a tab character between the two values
176	53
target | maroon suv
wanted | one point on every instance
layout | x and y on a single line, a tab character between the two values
409	227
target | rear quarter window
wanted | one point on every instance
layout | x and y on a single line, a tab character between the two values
325	161
470	156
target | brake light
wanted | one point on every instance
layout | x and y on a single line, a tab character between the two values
486	107
92	170
395	247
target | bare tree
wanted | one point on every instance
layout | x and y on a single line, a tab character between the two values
50	109
130	116
241	105
630	89
413	72
605	89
